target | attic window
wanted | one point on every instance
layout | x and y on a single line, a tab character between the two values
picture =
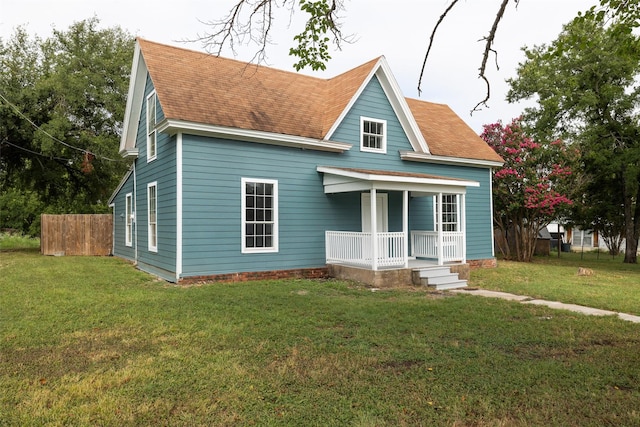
373	135
151	127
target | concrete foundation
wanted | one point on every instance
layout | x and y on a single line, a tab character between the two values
389	278
376	279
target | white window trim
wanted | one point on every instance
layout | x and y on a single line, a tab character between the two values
152	131
128	224
383	148
151	247
436	219
274	247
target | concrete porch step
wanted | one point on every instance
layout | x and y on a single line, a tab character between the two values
440	278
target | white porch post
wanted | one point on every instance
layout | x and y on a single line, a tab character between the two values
405	227
374	231
439	227
463	226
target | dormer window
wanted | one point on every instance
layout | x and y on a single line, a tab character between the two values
373	135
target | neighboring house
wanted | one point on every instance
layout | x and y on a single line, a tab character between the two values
583	240
243	171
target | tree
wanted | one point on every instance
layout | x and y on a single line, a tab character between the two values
61	110
531	188
587	86
251	20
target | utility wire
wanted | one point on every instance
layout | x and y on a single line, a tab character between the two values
35	152
17	110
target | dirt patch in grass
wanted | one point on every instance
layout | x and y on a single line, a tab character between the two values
81	352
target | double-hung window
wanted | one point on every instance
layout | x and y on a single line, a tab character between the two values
450	217
373	135
151	127
152	216
259	215
128	233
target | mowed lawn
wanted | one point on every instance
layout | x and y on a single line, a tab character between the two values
92	341
609	285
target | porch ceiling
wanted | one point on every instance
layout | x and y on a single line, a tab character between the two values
342	180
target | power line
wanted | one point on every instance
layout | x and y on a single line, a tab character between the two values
35	152
17	110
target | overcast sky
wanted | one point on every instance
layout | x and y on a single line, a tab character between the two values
397	29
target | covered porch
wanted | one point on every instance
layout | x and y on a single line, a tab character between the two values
376	248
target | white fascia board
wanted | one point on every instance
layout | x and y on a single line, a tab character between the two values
120	184
398	102
429	158
178	126
385	180
135	97
400	106
132	152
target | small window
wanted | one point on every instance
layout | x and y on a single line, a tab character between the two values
151	127
259	215
128	233
152	216
373	135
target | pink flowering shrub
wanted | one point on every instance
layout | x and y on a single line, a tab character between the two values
531	188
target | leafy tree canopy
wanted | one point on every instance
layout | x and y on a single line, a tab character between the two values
587	88
62	104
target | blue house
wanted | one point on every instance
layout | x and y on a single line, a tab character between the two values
243	171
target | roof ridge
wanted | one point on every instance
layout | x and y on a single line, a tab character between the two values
234	60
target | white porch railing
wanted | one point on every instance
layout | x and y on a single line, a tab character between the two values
350	247
424	244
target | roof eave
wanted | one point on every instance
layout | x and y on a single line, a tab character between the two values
135	97
126	176
430	158
129	153
172	126
339	180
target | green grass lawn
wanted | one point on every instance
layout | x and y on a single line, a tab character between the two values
613	285
18	242
92	341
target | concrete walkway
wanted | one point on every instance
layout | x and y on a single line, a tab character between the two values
551	304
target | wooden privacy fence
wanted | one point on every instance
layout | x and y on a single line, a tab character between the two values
76	234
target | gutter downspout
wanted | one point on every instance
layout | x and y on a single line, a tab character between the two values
405	228
439	219
178	207
135	212
374	231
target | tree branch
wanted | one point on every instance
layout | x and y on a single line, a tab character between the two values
487	50
433	34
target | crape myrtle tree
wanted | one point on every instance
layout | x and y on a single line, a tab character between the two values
530	190
587	87
62	104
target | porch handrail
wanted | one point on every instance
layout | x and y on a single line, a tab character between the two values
351	247
390	249
424	244
347	247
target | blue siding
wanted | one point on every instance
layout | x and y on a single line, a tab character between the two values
119	222
211	205
163	171
373	103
